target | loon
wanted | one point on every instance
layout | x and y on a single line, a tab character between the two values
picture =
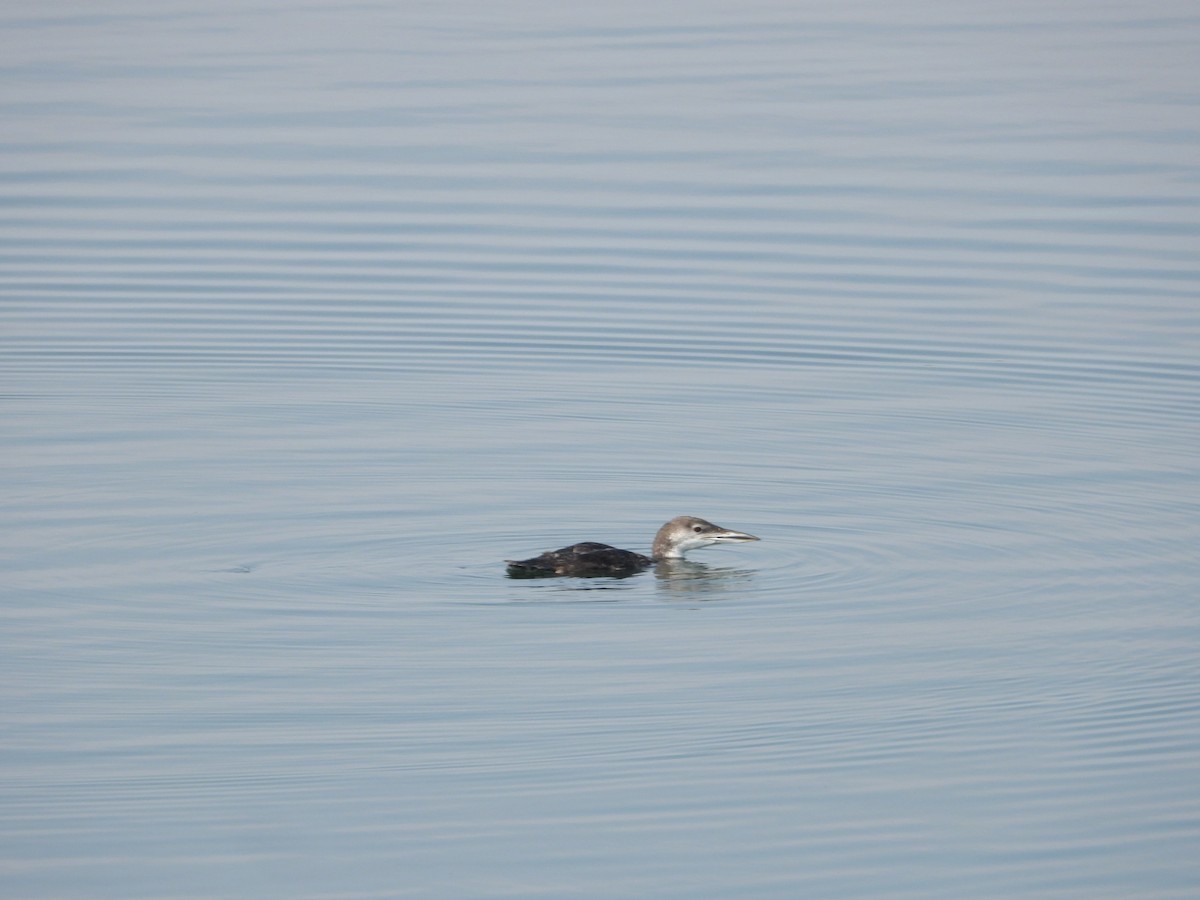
590	559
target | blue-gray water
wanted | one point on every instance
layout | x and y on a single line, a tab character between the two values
312	314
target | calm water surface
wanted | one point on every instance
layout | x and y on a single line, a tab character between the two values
311	315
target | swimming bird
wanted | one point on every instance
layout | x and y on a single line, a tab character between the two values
590	559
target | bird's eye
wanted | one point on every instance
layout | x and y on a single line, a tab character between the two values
697	528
